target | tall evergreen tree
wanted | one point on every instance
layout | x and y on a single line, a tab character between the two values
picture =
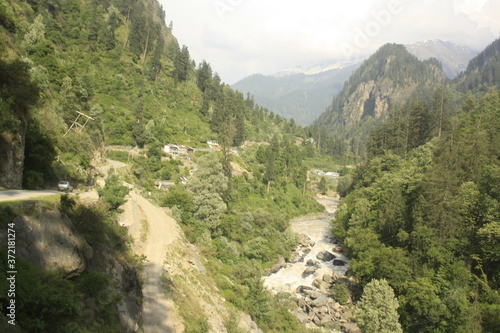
377	310
182	64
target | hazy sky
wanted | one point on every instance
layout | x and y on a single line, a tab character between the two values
243	37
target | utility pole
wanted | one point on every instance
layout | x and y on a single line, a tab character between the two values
76	126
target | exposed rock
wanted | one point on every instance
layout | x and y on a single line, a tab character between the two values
337	248
276	267
325	256
301	303
308	271
313	294
327	278
49	242
305	241
312	263
12	145
350	328
246	324
326	320
303	289
302	317
338	262
320	301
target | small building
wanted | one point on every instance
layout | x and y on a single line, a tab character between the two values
171	149
333	175
213	144
174	150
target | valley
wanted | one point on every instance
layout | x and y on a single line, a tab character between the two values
201	207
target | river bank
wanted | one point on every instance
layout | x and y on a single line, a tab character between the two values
314	270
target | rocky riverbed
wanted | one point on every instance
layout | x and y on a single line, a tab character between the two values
314	270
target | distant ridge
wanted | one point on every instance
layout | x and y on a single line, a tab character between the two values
453	57
301	92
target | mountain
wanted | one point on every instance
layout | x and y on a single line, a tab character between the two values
77	76
302	92
116	66
483	71
453	57
386	80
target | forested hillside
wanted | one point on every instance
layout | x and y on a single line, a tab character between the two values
483	70
118	63
300	96
383	83
421	212
420	200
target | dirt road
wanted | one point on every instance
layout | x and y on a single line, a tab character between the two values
14	195
162	231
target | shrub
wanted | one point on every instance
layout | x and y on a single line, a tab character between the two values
341	293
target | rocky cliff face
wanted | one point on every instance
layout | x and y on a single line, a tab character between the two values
387	79
48	239
12	146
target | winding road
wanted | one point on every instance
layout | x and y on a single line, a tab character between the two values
15	195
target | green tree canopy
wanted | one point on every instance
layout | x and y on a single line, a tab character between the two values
377	311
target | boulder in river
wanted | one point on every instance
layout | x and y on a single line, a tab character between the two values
338	262
325	256
308	271
313	263
322	300
301	289
276	267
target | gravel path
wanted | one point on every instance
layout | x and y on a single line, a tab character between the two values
14	195
163	230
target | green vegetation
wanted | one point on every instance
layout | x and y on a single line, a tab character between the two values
419	216
117	63
241	223
425	219
42	297
384	82
113	193
377	310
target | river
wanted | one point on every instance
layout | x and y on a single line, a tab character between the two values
318	229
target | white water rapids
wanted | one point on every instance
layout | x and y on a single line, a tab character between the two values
287	279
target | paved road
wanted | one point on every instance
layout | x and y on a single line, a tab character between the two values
14	195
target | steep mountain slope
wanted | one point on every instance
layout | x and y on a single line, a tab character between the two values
117	66
383	82
300	93
483	71
453	57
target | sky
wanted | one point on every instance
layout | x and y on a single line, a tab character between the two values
243	37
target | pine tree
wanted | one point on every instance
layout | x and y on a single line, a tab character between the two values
377	310
182	64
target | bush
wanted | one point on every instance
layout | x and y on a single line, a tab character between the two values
113	193
67	203
341	293
92	283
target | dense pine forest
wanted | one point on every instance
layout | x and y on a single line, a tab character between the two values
419	158
421	212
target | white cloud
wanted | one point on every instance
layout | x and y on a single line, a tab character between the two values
241	37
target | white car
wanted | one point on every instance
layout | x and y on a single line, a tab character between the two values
64	186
